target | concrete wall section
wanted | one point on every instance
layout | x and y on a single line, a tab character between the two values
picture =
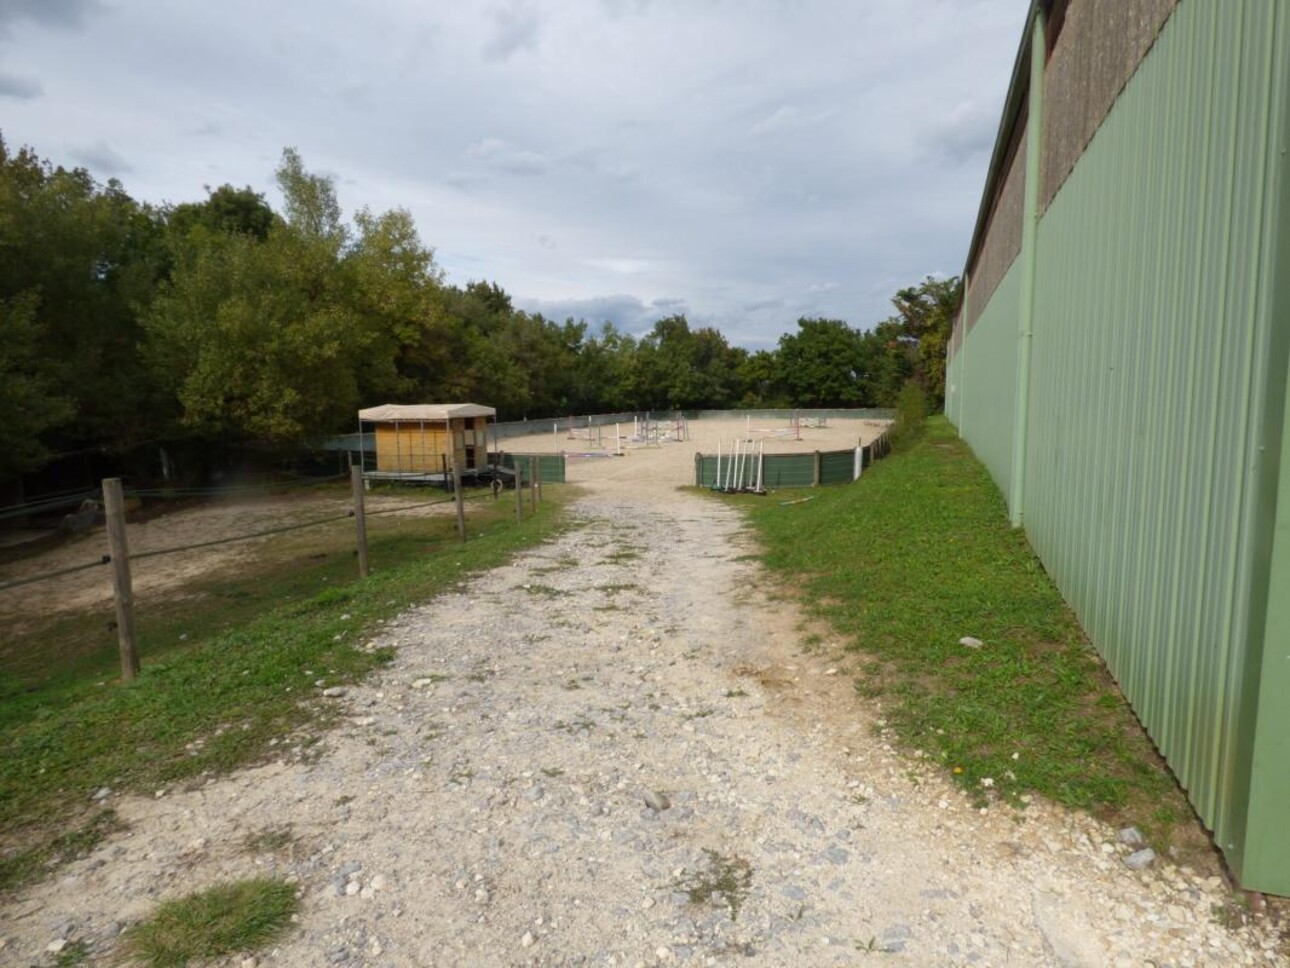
1099	47
1002	240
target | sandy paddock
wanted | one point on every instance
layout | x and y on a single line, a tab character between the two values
670	464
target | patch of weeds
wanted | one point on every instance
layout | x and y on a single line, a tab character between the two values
621	555
39	860
545	590
1233	913
343	799
434	678
269	840
698	714
479	675
736	694
220	921
74	953
461	776
580	725
726	879
613	588
572	684
872	947
611	607
552	771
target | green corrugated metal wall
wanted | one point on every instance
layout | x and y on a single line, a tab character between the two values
990	352
1157	409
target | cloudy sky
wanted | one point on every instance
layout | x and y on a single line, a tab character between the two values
745	162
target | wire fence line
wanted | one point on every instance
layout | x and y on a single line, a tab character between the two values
266	532
57	499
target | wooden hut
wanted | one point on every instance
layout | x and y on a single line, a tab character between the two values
422	441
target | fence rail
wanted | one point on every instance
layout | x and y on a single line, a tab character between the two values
528	471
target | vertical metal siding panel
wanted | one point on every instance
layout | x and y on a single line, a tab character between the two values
1261	842
1146	363
991	378
1267	860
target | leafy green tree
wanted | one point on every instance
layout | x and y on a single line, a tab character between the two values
29	400
76	261
823	364
263	339
226	209
925	314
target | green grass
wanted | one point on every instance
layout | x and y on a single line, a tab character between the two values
918	554
222	920
25	865
724	879
216	699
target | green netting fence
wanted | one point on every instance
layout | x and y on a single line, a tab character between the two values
551	467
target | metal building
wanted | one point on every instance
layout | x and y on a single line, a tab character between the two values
1120	366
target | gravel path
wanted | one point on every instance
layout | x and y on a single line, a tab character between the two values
615	752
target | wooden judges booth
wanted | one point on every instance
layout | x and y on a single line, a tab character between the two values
422	441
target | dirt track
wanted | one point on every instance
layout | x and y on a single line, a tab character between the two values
494	798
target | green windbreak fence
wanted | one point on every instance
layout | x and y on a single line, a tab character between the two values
1149	462
784	470
550	466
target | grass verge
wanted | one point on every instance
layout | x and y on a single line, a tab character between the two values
222	920
919	554
241	678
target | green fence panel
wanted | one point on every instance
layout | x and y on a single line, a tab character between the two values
551	467
783	470
837	466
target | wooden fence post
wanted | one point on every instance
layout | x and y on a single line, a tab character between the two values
537	478
123	590
815	475
360	517
533	482
461	499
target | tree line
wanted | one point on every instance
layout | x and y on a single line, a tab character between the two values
223	320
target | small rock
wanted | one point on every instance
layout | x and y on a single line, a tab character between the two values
364	720
55	946
1140	860
1131	836
657	802
379	882
352	888
422	683
647	903
103	794
335	692
527	940
970	642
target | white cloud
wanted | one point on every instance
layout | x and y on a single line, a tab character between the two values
756	161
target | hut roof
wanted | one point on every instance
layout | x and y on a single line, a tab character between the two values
425	411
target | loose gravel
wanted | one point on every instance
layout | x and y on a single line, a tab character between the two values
617	752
